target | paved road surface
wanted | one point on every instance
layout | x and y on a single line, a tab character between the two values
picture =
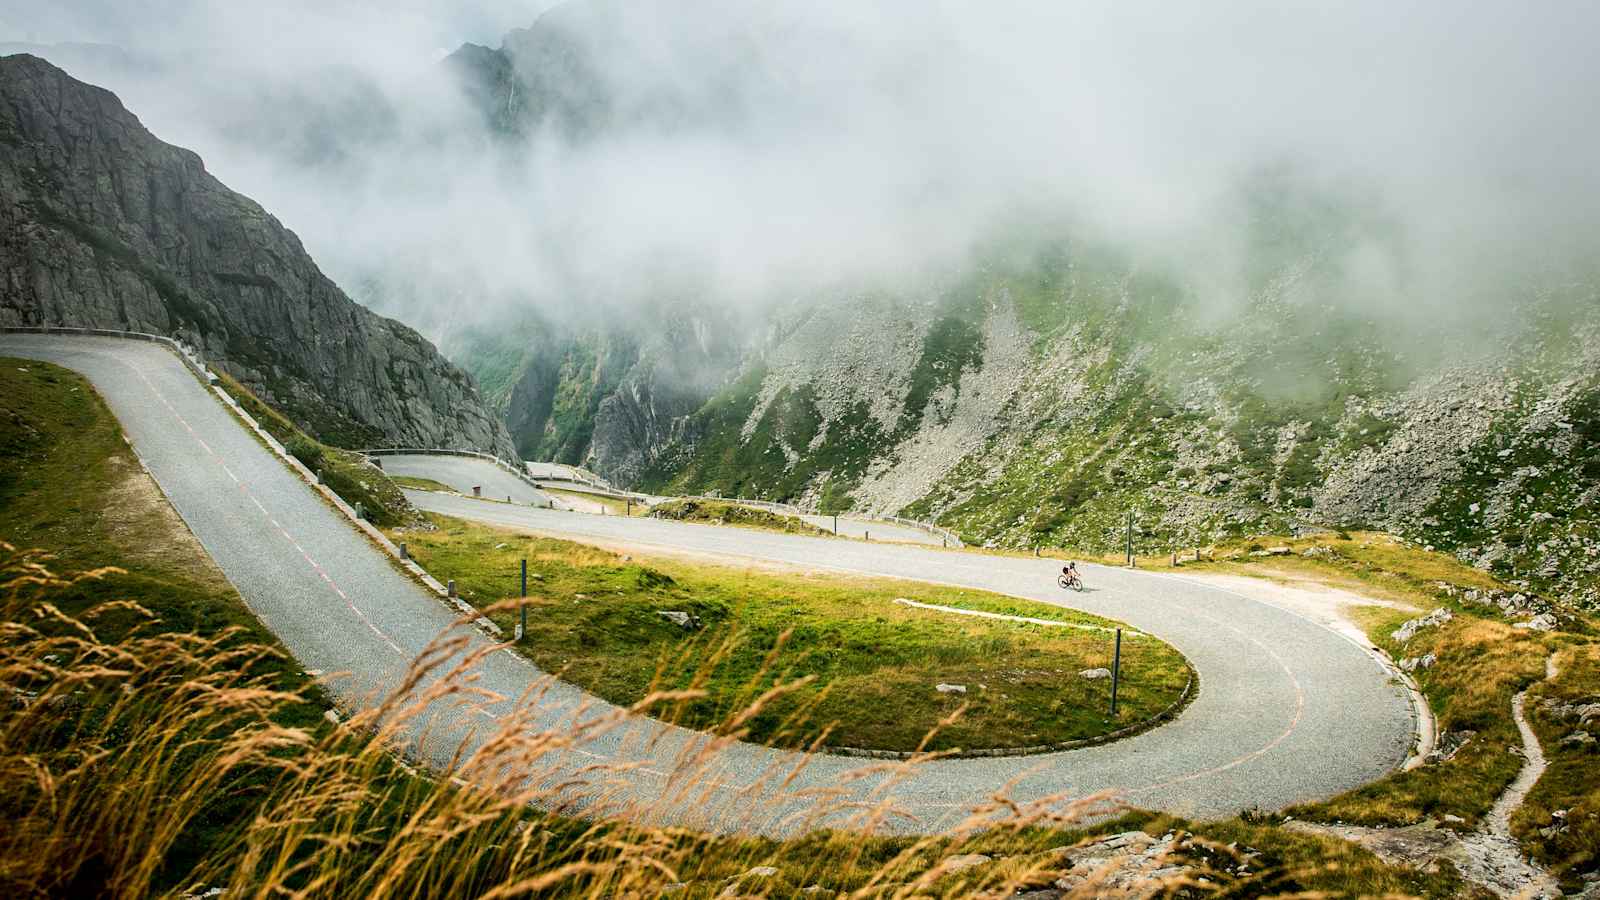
1287	711
464	473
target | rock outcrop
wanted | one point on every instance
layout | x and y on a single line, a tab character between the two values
103	225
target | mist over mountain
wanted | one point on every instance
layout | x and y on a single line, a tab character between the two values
755	152
1015	266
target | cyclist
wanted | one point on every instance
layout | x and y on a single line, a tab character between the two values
1069	575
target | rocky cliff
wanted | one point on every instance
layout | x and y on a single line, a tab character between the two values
103	225
609	395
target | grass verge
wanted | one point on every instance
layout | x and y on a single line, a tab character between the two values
422	484
723	513
612	506
871	665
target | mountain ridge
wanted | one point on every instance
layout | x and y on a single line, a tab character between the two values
104	225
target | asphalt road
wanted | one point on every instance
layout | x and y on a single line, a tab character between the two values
1287	711
465	473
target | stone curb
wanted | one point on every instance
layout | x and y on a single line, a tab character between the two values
1127	731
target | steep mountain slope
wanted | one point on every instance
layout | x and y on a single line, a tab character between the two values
607	395
1042	388
103	225
1038	401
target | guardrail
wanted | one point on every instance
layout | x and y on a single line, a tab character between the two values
189	355
569	473
514	471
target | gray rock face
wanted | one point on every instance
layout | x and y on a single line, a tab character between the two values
1409	629
103	225
679	365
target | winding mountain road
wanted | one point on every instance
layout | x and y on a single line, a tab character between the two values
463	473
1287	710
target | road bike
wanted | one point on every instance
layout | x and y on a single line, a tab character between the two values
1069	582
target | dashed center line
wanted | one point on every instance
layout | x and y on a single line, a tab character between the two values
245	488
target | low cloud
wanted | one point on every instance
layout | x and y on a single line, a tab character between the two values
832	143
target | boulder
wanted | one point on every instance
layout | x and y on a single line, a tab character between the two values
686	621
1417	663
1540	622
1095	673
943	688
1409	630
950	865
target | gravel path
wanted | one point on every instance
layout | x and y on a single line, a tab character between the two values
1287	710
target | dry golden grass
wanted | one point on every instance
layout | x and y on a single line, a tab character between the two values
143	763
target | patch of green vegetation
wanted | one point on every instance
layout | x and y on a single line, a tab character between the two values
873	663
347	474
951	347
835	498
589	373
722	461
728	513
421	484
1556	508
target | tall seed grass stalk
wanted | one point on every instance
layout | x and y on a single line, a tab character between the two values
136	762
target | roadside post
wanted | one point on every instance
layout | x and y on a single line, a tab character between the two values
522	626
835	524
1116	672
1130	538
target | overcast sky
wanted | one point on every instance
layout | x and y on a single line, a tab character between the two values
885	137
